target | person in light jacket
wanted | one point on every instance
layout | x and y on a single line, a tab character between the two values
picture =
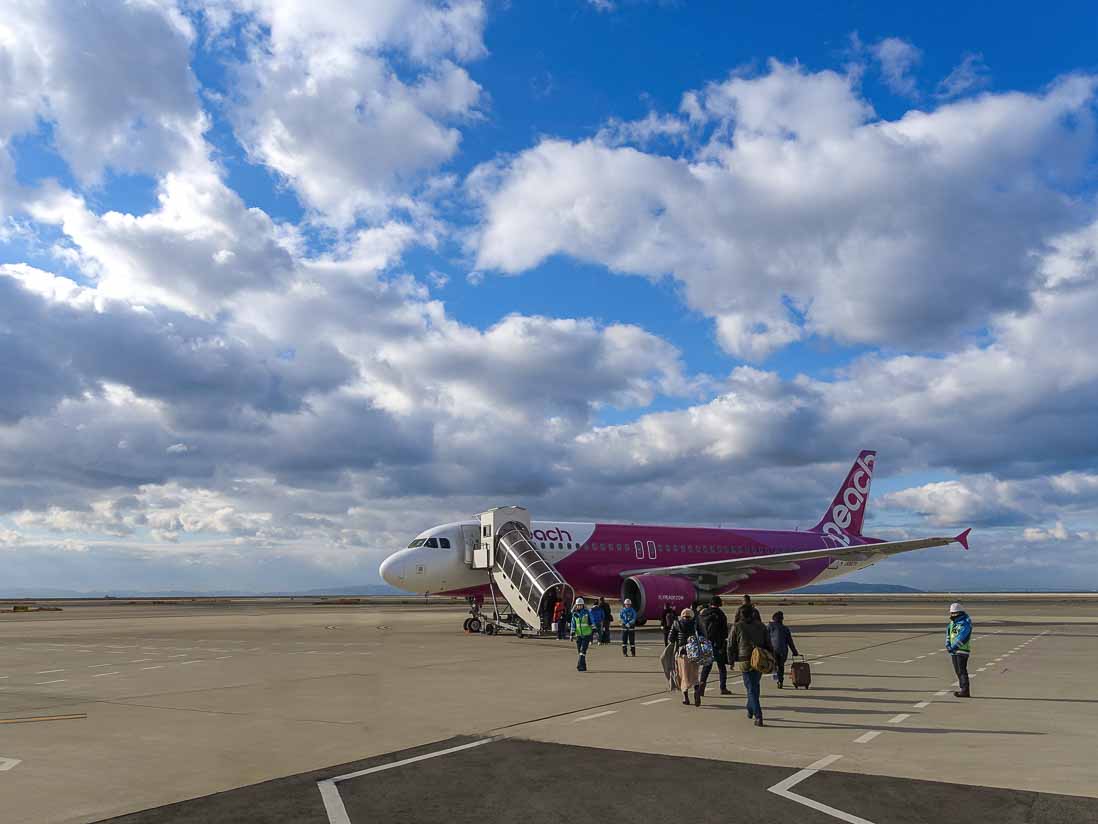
596	622
748	633
959	646
628	617
689	672
781	640
582	630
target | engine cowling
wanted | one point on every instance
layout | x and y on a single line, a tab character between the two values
652	593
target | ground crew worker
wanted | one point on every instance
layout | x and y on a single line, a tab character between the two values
628	617
958	636
596	621
582	630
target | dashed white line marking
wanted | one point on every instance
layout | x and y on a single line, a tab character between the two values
222	657
656	701
940	693
784	789
866	737
922	705
97	666
55	681
48	672
158	666
195	661
596	715
138	660
899	719
101	674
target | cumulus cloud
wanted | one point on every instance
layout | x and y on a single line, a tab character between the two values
384	125
803	214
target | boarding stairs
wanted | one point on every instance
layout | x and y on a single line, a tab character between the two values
529	583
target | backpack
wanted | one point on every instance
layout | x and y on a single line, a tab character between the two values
699	651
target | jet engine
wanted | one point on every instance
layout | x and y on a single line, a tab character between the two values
652	593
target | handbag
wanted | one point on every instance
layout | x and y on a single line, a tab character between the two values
699	651
762	660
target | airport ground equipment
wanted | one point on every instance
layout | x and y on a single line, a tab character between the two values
518	572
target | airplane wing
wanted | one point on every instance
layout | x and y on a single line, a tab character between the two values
741	568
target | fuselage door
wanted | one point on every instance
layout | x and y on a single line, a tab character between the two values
639	547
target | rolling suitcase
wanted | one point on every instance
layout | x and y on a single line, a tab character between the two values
801	672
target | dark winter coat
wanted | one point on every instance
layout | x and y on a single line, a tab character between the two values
681	632
714	626
746	635
781	639
667	618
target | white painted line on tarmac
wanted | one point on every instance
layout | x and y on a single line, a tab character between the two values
195	661
138	660
899	719
784	789
8	763
158	666
922	705
656	701
55	681
97	666
101	674
222	657
48	672
596	715
940	693
333	804
866	737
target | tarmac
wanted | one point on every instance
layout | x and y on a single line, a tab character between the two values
278	710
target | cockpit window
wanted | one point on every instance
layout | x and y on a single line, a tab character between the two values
432	542
444	543
417	542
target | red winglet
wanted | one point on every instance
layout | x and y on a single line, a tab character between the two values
962	539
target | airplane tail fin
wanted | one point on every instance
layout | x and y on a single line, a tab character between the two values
845	515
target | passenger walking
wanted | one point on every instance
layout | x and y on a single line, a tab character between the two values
781	640
628	617
959	646
565	627
667	620
689	672
607	620
748	634
582	630
596	623
714	626
558	619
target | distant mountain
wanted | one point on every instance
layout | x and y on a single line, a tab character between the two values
853	589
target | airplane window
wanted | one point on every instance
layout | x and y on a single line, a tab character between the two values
569	546
432	542
444	543
416	542
543	544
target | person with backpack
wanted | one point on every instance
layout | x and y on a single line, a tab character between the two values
781	641
628	617
582	630
714	626
667	620
682	631
959	646
596	623
748	635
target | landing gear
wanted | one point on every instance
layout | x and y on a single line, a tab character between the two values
474	625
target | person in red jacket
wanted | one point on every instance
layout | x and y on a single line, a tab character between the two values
558	619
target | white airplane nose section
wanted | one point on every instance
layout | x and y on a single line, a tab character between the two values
392	570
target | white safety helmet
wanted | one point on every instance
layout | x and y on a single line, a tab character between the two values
955	607
579	602
629	602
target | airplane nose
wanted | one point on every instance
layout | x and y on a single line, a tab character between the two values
392	570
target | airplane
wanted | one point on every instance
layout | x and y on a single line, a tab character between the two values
656	566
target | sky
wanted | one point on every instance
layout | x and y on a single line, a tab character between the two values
284	283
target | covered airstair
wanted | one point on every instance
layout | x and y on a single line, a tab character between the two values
518	572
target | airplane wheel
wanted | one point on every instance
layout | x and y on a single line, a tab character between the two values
465	624
474	625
